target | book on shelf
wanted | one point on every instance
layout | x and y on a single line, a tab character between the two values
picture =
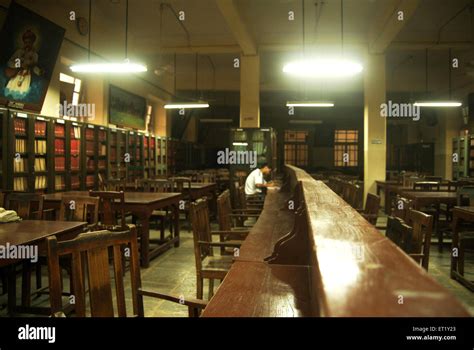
90	148
40	164
75	161
76	132
40	147
59	130
59	183
103	150
40	182
102	165
90	180
20	165
102	135
19	184
60	164
40	128
19	125
75	182
90	164
59	146
20	145
75	147
90	134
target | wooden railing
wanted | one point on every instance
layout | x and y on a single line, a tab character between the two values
312	254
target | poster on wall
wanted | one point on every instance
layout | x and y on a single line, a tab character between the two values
127	109
29	49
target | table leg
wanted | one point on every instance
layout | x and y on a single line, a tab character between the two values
455	244
387	201
11	289
176	223
145	241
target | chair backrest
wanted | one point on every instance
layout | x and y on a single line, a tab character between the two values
91	253
29	206
419	246
465	196
372	206
102	185
351	194
199	213
157	185
224	209
242	198
398	232
426	186
111	208
400	207
116	185
79	208
205	178
181	184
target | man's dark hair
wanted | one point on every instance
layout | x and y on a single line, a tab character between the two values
263	165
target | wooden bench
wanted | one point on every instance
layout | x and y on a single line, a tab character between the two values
311	254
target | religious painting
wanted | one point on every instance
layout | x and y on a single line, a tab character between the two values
29	49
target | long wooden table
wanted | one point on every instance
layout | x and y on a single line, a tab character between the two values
460	214
332	263
31	233
142	205
423	199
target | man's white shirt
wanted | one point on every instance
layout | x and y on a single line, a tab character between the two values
254	178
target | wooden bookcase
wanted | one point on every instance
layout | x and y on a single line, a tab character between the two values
462	150
171	151
149	156
162	158
4	148
135	166
117	148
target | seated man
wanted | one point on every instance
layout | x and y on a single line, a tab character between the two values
255	181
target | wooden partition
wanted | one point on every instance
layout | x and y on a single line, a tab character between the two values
312	254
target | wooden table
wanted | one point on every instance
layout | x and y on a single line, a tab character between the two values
423	199
142	205
31	233
329	267
460	214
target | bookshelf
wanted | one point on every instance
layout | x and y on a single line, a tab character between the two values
161	154
117	148
90	158
73	156
135	151
102	156
149	156
171	150
3	148
59	142
460	147
42	157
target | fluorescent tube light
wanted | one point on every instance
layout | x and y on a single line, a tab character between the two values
184	105
323	68
309	104
438	104
240	144
119	68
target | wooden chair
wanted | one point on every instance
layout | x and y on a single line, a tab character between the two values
80	208
419	246
91	253
166	215
111	209
371	210
29	206
206	178
399	232
116	185
426	186
208	265
465	196
351	195
181	184
400	207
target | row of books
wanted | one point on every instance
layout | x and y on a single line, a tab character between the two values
20	184
102	165
103	150
40	164
75	147
19	124
75	163
20	165
102	135
60	164
59	184
75	182
20	145
59	130
40	128
76	132
40	147
41	183
90	181
90	148
90	134
59	146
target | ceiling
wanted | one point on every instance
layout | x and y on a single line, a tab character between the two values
156	35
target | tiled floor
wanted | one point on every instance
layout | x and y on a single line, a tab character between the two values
174	272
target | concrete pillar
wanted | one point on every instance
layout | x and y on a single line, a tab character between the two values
450	124
250	91
375	127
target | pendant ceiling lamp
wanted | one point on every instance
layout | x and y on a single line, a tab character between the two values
438	103
124	67
187	104
324	68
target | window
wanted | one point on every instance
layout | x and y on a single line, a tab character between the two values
296	148
346	148
70	91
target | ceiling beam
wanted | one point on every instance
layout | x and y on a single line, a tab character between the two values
387	24
237	26
431	45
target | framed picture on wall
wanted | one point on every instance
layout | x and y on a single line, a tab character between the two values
127	109
29	49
